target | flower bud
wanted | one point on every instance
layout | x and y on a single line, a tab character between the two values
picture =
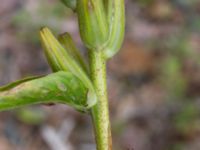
68	43
116	21
92	23
62	60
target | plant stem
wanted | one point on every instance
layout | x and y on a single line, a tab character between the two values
100	112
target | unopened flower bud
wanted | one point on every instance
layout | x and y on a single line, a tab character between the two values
92	23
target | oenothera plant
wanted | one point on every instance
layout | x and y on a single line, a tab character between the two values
74	82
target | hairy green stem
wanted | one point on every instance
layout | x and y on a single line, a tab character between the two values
100	112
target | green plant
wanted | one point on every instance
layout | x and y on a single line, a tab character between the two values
101	24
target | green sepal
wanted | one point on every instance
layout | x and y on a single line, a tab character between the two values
68	43
92	23
70	4
116	21
60	59
61	87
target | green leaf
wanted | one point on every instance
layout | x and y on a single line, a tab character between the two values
15	83
61	87
60	59
68	43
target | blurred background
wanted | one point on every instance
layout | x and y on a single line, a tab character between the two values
153	82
